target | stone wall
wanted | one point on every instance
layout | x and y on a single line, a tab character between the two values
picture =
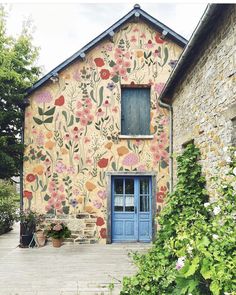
204	104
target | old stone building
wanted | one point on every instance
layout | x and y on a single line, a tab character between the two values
202	90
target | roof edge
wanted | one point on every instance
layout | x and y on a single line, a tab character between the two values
135	12
167	92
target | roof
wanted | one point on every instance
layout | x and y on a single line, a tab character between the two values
189	55
135	13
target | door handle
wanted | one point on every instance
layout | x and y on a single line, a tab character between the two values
135	210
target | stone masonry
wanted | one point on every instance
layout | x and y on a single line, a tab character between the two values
204	102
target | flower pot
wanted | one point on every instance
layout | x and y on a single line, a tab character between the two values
56	242
41	238
26	239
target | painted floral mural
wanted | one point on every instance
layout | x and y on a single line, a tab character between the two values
73	126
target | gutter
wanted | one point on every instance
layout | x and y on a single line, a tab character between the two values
209	12
171	170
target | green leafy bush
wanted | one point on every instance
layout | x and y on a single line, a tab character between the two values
195	248
7	206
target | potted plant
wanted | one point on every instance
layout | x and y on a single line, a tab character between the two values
39	234
27	227
58	231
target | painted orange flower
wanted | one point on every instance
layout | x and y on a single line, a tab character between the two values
100	221
28	195
122	150
49	145
108	145
105	74
89	209
139	53
38	169
90	186
49	134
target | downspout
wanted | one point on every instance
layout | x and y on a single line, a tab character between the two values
25	104
170	108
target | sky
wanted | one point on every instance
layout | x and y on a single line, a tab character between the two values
61	29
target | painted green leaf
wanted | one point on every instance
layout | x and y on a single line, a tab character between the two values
46	197
166	55
40	111
50	112
113	165
100	96
92	96
66	209
115	79
71	121
38	121
65	115
48	120
112	63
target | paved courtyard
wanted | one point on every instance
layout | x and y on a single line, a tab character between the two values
69	270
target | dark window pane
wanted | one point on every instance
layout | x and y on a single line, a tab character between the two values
118	186
118	203
144	186
129	186
135	111
144	203
129	203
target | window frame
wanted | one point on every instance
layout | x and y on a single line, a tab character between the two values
135	136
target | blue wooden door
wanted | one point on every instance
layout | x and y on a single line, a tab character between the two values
131	209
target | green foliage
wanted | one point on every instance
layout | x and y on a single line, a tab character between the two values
195	248
7	206
58	230
17	73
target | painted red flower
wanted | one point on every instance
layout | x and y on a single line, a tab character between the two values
161	194
99	62
103	233
60	101
102	163
28	195
105	74
30	177
100	221
158	39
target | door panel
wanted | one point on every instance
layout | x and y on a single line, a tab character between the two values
131	209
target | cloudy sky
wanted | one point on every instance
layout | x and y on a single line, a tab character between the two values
63	28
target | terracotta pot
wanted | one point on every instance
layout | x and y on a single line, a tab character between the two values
41	238
56	242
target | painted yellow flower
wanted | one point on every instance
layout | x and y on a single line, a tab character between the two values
80	199
49	134
139	53
38	169
64	151
122	150
49	145
108	145
89	209
90	186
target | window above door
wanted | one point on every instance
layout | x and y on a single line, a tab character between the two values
135	112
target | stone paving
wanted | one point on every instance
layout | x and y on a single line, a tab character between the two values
69	270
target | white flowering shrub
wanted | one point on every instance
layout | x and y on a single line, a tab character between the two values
195	248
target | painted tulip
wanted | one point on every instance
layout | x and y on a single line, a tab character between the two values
102	163
99	62
100	221
60	101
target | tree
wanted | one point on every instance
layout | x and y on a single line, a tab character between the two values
17	73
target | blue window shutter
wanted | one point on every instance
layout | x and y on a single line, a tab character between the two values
135	111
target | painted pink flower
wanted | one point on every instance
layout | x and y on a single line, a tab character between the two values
130	159
141	168
71	170
106	103
127	64
133	39
86	139
78	105
164	121
67	136
119	61
116	68
122	71
62	197
54	194
125	78
149	44
102	195
157	157
60	167
51	202
77	75
57	205
84	122
100	112
158	87
40	138
43	97
154	148
127	55
97	204
90	118
61	188
118	50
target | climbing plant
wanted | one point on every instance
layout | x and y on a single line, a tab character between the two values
194	252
